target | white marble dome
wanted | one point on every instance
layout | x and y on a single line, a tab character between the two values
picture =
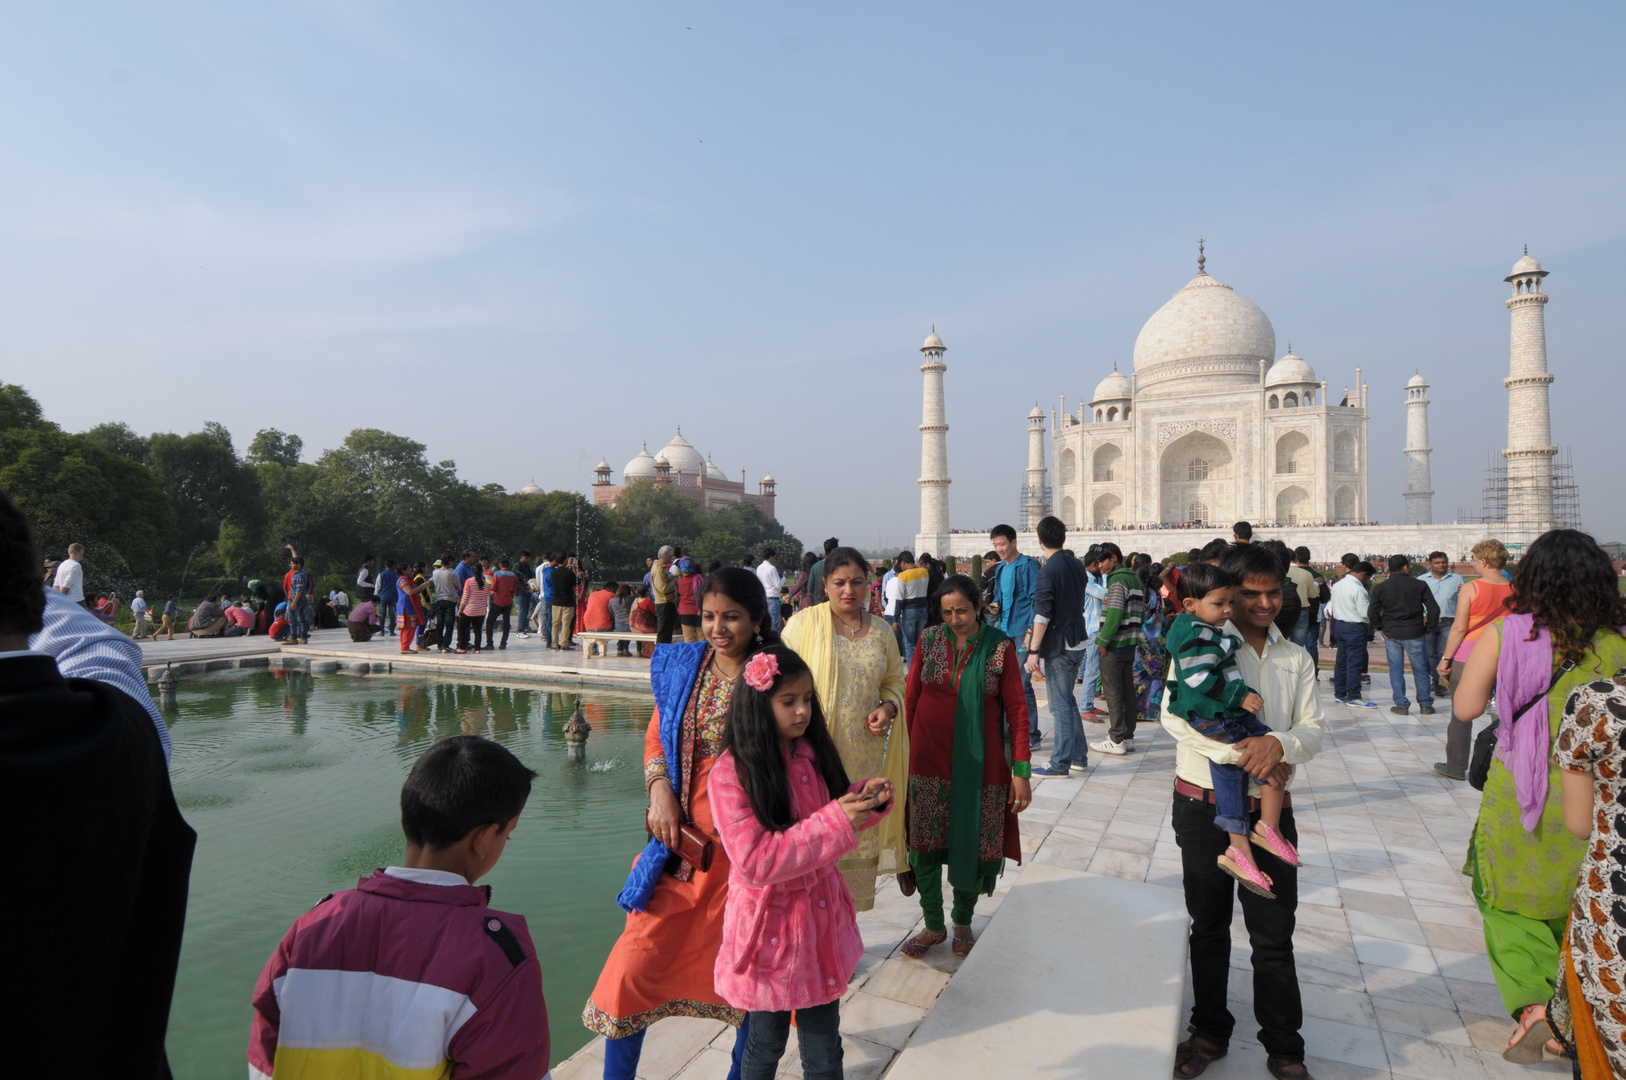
639	468
1115	387
1290	369
1526	265
933	342
712	471
1417	380
1208	332
683	457
530	489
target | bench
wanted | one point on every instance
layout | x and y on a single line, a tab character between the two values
602	639
1032	1001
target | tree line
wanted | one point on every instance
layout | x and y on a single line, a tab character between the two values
188	513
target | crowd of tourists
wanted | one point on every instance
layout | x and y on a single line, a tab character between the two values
820	732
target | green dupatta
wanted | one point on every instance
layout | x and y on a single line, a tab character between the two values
967	871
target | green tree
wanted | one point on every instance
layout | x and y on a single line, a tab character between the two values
18	409
272	447
208	487
120	438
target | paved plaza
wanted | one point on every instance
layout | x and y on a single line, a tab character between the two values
1390	951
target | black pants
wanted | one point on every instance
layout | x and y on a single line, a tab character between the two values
466	623
445	618
492	614
1210	894
665	623
1118	687
818	1033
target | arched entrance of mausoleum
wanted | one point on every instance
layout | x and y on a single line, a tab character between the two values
1197	480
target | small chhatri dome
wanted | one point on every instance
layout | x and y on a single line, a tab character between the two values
1036	414
933	341
1525	267
640	467
530	489
602	466
1417	380
1115	387
712	471
768	479
1290	369
683	457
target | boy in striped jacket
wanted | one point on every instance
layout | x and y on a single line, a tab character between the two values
410	974
1207	691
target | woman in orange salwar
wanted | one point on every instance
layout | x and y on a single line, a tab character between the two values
663	962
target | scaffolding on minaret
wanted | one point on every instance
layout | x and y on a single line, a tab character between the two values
1033	504
1493	500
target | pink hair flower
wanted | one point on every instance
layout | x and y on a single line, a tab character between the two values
760	671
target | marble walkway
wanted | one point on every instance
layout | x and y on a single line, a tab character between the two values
1390	951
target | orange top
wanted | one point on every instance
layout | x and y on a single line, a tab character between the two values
598	611
1485	609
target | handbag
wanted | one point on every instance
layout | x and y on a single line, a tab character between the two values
693	847
1485	741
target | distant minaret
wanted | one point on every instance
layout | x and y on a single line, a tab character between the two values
1419	482
934	476
1038	501
1530	448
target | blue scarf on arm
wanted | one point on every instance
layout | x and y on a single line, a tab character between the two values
672	674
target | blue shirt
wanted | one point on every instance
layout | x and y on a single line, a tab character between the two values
87	648
464	572
1095	596
387	589
547	584
1445	591
1015	585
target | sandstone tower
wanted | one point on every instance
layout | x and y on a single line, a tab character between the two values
1530	448
1419	481
934	476
1036	495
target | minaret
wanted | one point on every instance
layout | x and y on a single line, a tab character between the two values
1530	448
934	476
1037	504
1419	481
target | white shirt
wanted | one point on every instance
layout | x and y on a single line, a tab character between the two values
1350	602
138	607
70	576
338	598
771	578
1284	676
424	876
889	592
364	579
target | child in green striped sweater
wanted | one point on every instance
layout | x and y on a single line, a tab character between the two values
1207	691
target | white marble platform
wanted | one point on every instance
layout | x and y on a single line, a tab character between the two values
1036	999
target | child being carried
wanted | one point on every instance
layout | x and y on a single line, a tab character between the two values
1207	691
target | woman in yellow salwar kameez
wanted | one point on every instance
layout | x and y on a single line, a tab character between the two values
859	676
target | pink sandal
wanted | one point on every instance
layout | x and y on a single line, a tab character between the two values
1275	843
916	946
1236	863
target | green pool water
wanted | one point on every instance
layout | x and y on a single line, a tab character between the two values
292	783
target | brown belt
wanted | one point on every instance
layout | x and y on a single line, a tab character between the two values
1202	794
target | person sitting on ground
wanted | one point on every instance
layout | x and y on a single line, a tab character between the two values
81	761
363	621
1209	693
240	620
208	619
411	971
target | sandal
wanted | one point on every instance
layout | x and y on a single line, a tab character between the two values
1525	1044
1287	1068
1275	843
1236	863
1196	1054
962	945
916	946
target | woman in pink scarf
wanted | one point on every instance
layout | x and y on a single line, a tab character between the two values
1563	630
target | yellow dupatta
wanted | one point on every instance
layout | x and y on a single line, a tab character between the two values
811	633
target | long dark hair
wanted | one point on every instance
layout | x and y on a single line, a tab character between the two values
745	589
752	735
1567	582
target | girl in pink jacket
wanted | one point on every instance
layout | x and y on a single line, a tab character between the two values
790	933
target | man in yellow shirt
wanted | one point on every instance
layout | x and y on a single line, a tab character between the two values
663	590
1284	677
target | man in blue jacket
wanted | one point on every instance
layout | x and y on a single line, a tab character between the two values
1015	584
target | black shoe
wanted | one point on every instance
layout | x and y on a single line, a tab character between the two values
1426	710
1400	710
1440	767
1442	690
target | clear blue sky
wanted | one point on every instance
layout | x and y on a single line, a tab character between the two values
532	235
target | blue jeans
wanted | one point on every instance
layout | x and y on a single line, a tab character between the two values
1033	702
1416	650
1060	673
1301	629
1436	646
911	623
1091	670
1230	782
621	1055
818	1033
299	621
522	608
773	614
1346	670
389	603
546	621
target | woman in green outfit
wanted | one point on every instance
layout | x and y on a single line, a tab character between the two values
1562	630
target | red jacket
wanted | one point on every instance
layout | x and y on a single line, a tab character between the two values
402	975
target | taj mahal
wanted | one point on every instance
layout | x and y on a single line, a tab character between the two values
1212	426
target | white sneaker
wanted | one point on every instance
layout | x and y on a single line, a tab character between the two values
1107	746
1076	767
523	634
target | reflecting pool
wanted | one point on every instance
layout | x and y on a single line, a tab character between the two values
293	784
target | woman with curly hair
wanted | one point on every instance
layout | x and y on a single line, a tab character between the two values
1562	630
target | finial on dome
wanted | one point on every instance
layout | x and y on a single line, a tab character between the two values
1289	346
1201	258
1527	249
1114	365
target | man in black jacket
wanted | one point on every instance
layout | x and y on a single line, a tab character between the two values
1059	641
1405	610
95	921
